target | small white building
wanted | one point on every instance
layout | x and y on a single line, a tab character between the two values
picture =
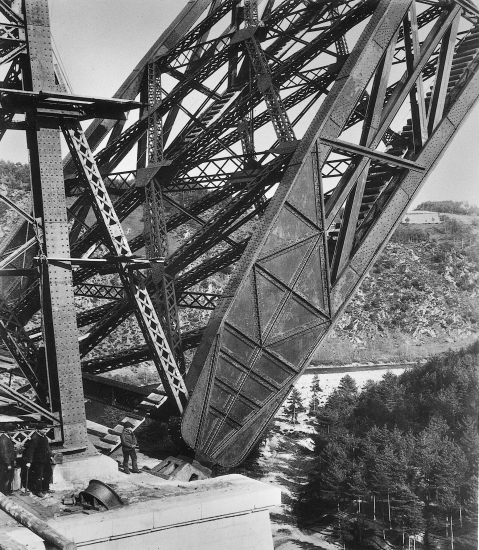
421	216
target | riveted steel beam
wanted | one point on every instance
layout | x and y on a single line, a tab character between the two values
375	234
259	342
49	207
257	240
25	353
134	283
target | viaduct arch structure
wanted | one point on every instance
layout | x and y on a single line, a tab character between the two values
271	148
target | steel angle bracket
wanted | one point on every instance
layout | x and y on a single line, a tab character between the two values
259	341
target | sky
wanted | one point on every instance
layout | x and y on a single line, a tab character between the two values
101	41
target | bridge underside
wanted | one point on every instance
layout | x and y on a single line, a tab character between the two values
273	149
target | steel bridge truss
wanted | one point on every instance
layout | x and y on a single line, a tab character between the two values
277	146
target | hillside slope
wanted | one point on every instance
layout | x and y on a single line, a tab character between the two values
420	298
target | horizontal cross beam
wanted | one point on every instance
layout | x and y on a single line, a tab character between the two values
51	103
345	146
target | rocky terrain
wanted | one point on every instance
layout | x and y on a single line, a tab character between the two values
420	298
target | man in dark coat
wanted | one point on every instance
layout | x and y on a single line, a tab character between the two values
37	458
128	444
7	460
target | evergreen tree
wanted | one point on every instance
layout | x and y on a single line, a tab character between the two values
406	510
294	405
348	386
382	404
315	391
442	466
356	487
342	400
413	476
469	516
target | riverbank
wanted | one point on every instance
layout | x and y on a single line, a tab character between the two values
396	348
358	367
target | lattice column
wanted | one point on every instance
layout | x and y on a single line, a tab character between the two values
251	12
133	280
247	142
155	125
156	235
59	316
341	44
279	116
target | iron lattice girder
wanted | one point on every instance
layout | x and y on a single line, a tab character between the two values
112	154
218	228
132	199
279	117
133	356
199	300
106	292
191	277
377	230
130	88
155	229
395	100
275	309
259	341
23	351
134	283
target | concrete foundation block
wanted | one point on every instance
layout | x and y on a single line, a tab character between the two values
185	511
227	512
140	520
87	529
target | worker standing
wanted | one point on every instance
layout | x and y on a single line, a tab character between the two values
7	460
37	458
128	444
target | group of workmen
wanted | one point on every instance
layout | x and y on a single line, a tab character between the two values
35	462
37	459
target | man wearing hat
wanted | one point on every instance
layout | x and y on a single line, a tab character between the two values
7	459
37	458
128	444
